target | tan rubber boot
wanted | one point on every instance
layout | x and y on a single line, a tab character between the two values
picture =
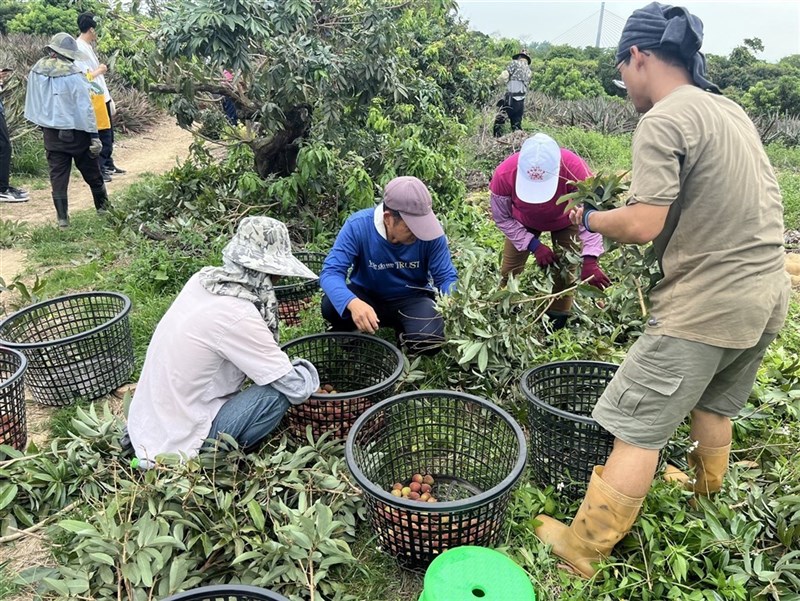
604	518
709	464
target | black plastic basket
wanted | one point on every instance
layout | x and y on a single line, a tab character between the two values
566	443
227	592
13	430
474	451
294	294
361	369
78	346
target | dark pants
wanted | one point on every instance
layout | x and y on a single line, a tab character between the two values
509	109
414	319
61	150
107	138
5	152
230	110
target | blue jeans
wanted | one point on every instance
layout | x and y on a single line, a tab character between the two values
250	415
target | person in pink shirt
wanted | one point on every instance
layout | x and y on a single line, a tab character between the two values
228	105
524	190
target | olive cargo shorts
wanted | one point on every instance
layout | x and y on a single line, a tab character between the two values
662	379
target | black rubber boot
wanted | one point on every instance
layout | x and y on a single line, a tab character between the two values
100	197
558	320
61	212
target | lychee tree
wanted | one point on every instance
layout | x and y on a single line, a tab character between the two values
296	63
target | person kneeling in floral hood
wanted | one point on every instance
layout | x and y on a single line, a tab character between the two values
220	330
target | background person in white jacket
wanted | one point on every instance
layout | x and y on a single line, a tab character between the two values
221	329
87	24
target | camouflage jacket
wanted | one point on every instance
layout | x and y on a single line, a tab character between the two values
519	78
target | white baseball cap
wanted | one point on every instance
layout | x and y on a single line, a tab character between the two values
538	169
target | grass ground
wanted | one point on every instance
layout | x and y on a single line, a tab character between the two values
666	554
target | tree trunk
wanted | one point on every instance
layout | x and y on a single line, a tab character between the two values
278	155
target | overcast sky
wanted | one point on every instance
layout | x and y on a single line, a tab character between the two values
726	23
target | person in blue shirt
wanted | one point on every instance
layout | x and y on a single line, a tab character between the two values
399	257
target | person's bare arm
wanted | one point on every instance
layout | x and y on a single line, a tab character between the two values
636	223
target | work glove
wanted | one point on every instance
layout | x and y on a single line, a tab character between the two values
591	271
544	255
95	146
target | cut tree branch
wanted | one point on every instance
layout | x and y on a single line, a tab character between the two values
219	89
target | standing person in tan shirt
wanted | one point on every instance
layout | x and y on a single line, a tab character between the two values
704	193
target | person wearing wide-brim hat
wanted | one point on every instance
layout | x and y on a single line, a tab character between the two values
221	329
57	100
517	77
522	54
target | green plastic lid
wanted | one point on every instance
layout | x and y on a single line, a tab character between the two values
476	574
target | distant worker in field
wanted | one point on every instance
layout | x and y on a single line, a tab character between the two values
524	192
517	78
8	193
704	193
228	105
399	255
96	71
57	100
221	329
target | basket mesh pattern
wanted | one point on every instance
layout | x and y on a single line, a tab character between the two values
294	294
474	451
565	442
78	346
362	370
228	592
13	430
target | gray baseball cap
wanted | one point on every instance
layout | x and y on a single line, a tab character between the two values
262	244
410	197
65	45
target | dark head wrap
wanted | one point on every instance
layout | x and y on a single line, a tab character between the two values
672	28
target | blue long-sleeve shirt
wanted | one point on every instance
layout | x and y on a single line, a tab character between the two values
389	271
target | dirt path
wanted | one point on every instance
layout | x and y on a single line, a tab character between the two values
154	152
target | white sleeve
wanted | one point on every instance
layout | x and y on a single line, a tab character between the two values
299	383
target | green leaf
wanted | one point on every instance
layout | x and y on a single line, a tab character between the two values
144	569
256	514
483	358
57	585
178	570
471	351
247	556
299	538
168	540
78	527
716	528
103	558
7	494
